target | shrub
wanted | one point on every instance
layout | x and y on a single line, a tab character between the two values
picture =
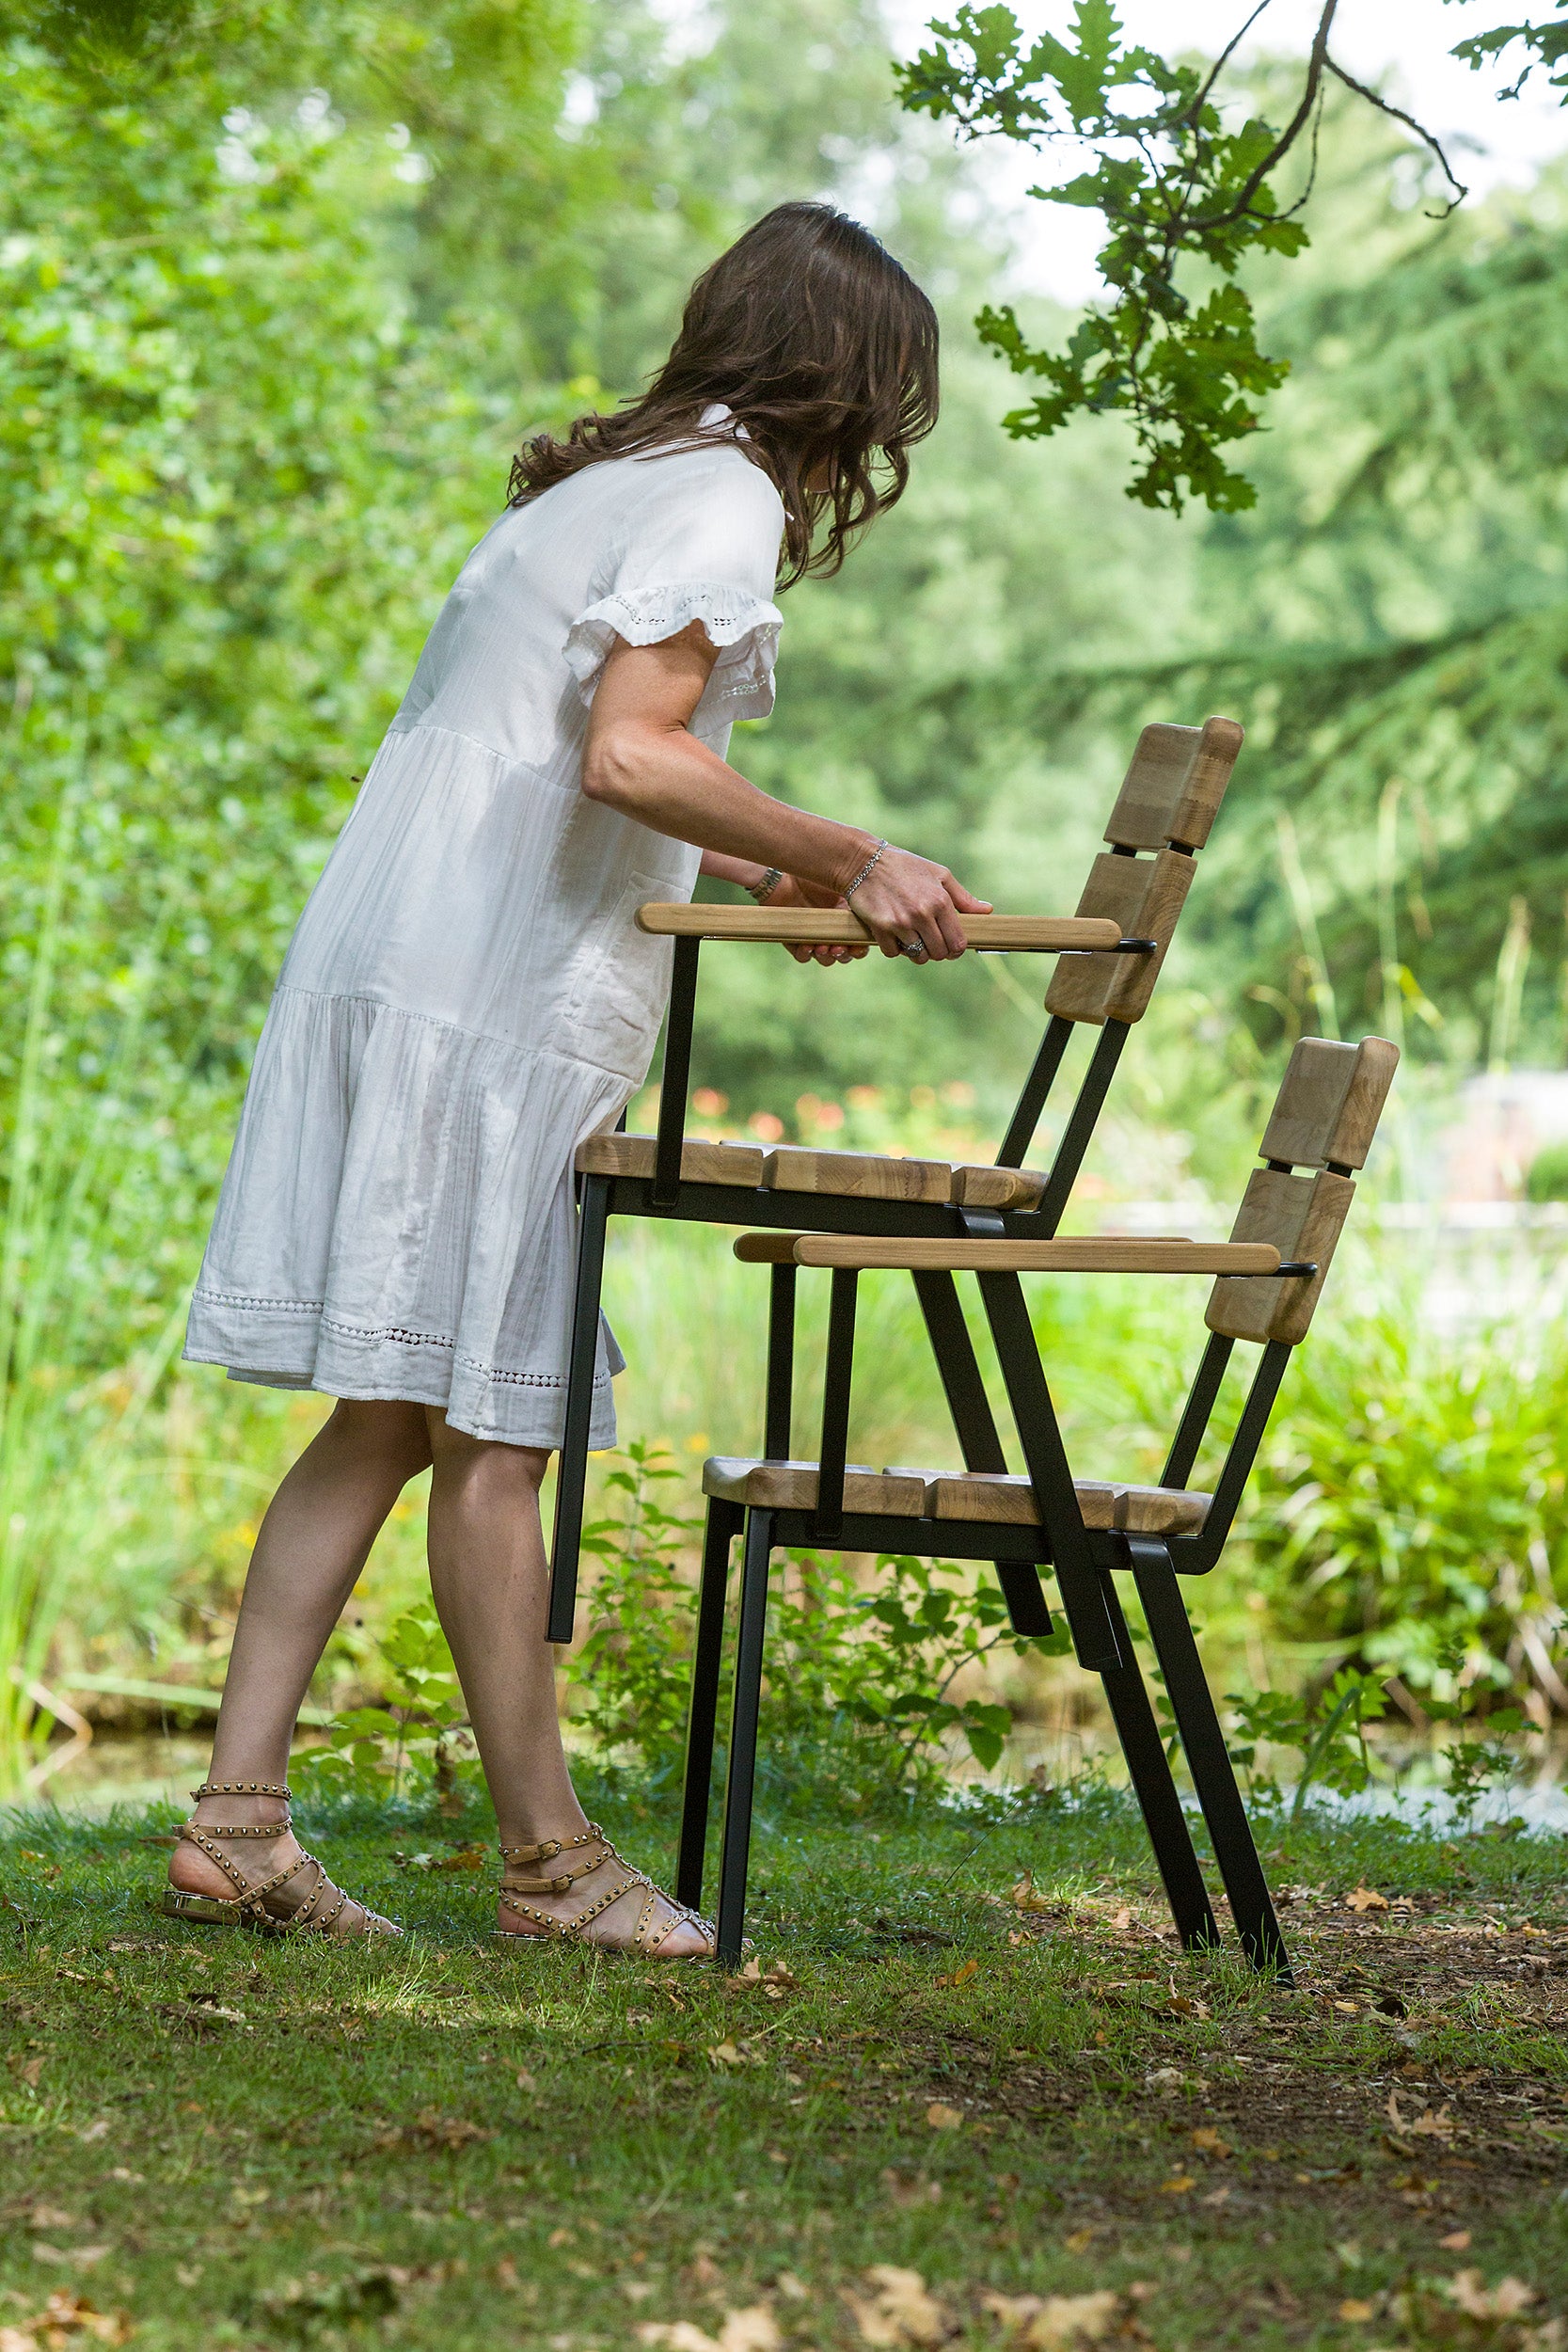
1408	1509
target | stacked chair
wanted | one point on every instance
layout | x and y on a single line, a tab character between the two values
1268	1279
936	1221
1111	954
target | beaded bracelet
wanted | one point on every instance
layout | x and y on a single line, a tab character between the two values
871	861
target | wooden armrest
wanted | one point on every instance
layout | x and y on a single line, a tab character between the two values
1073	1256
836	926
768	1249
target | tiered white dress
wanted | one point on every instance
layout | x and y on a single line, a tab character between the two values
467	995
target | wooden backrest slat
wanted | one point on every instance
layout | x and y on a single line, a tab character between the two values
1175	783
1145	895
1324	1118
1328	1107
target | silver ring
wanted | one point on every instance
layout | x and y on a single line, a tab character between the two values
915	949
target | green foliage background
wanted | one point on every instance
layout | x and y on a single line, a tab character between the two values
282	285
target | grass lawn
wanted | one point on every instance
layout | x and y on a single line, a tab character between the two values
926	2113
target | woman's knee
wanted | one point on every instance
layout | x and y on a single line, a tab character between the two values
484	1462
382	1430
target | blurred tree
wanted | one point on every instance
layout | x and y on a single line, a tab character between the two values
1188	195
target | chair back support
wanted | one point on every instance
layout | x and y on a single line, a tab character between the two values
1168	802
1324	1118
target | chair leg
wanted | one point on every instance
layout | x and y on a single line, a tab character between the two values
724	1521
571	1469
1149	1769
1170	1629
739	1780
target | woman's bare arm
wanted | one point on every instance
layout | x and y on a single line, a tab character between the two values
640	757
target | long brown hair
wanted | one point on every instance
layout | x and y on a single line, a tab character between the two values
823	347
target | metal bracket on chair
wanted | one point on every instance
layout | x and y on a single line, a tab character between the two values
837	1376
676	1076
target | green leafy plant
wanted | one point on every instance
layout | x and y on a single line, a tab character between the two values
629	1679
1328	1727
418	1728
1409	1508
1174	185
864	1663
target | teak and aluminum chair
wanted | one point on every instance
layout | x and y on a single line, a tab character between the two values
1270	1275
1112	952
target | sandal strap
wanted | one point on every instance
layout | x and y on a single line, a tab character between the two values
640	1941
550	1847
681	1915
242	1789
565	1880
215	1854
246	1829
574	1927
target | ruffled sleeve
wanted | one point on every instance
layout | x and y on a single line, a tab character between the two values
702	544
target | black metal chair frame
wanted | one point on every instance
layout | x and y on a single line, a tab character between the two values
1085	1561
667	1194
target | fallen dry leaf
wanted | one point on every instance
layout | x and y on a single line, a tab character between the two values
1122	1921
1506	2300
1366	1898
1353	2308
753	2330
1457	2242
962	1975
898	2311
64	2320
1080	2241
1027	1899
1210	2141
524	2080
727	2053
79	2257
430	2131
911	2188
1164	2079
1066	2321
942	2118
1178	2186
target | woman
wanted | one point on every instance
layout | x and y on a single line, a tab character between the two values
467	997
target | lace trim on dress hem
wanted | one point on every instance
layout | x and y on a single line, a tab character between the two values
271	1305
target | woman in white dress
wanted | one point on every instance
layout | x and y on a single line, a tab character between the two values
467	997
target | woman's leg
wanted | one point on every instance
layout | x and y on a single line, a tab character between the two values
314	1541
491	1583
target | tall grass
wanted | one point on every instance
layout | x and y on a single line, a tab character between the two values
73	1432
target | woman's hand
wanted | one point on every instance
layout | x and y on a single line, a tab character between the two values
906	898
793	892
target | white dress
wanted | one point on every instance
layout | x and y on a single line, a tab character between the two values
467	995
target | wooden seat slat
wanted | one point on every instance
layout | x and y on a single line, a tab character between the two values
857	1175
991	1499
792	1487
998	1187
1004	1499
701	1163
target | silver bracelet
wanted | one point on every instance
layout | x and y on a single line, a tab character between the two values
871	861
762	890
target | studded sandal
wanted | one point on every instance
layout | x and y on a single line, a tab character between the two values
545	1924
253	1907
